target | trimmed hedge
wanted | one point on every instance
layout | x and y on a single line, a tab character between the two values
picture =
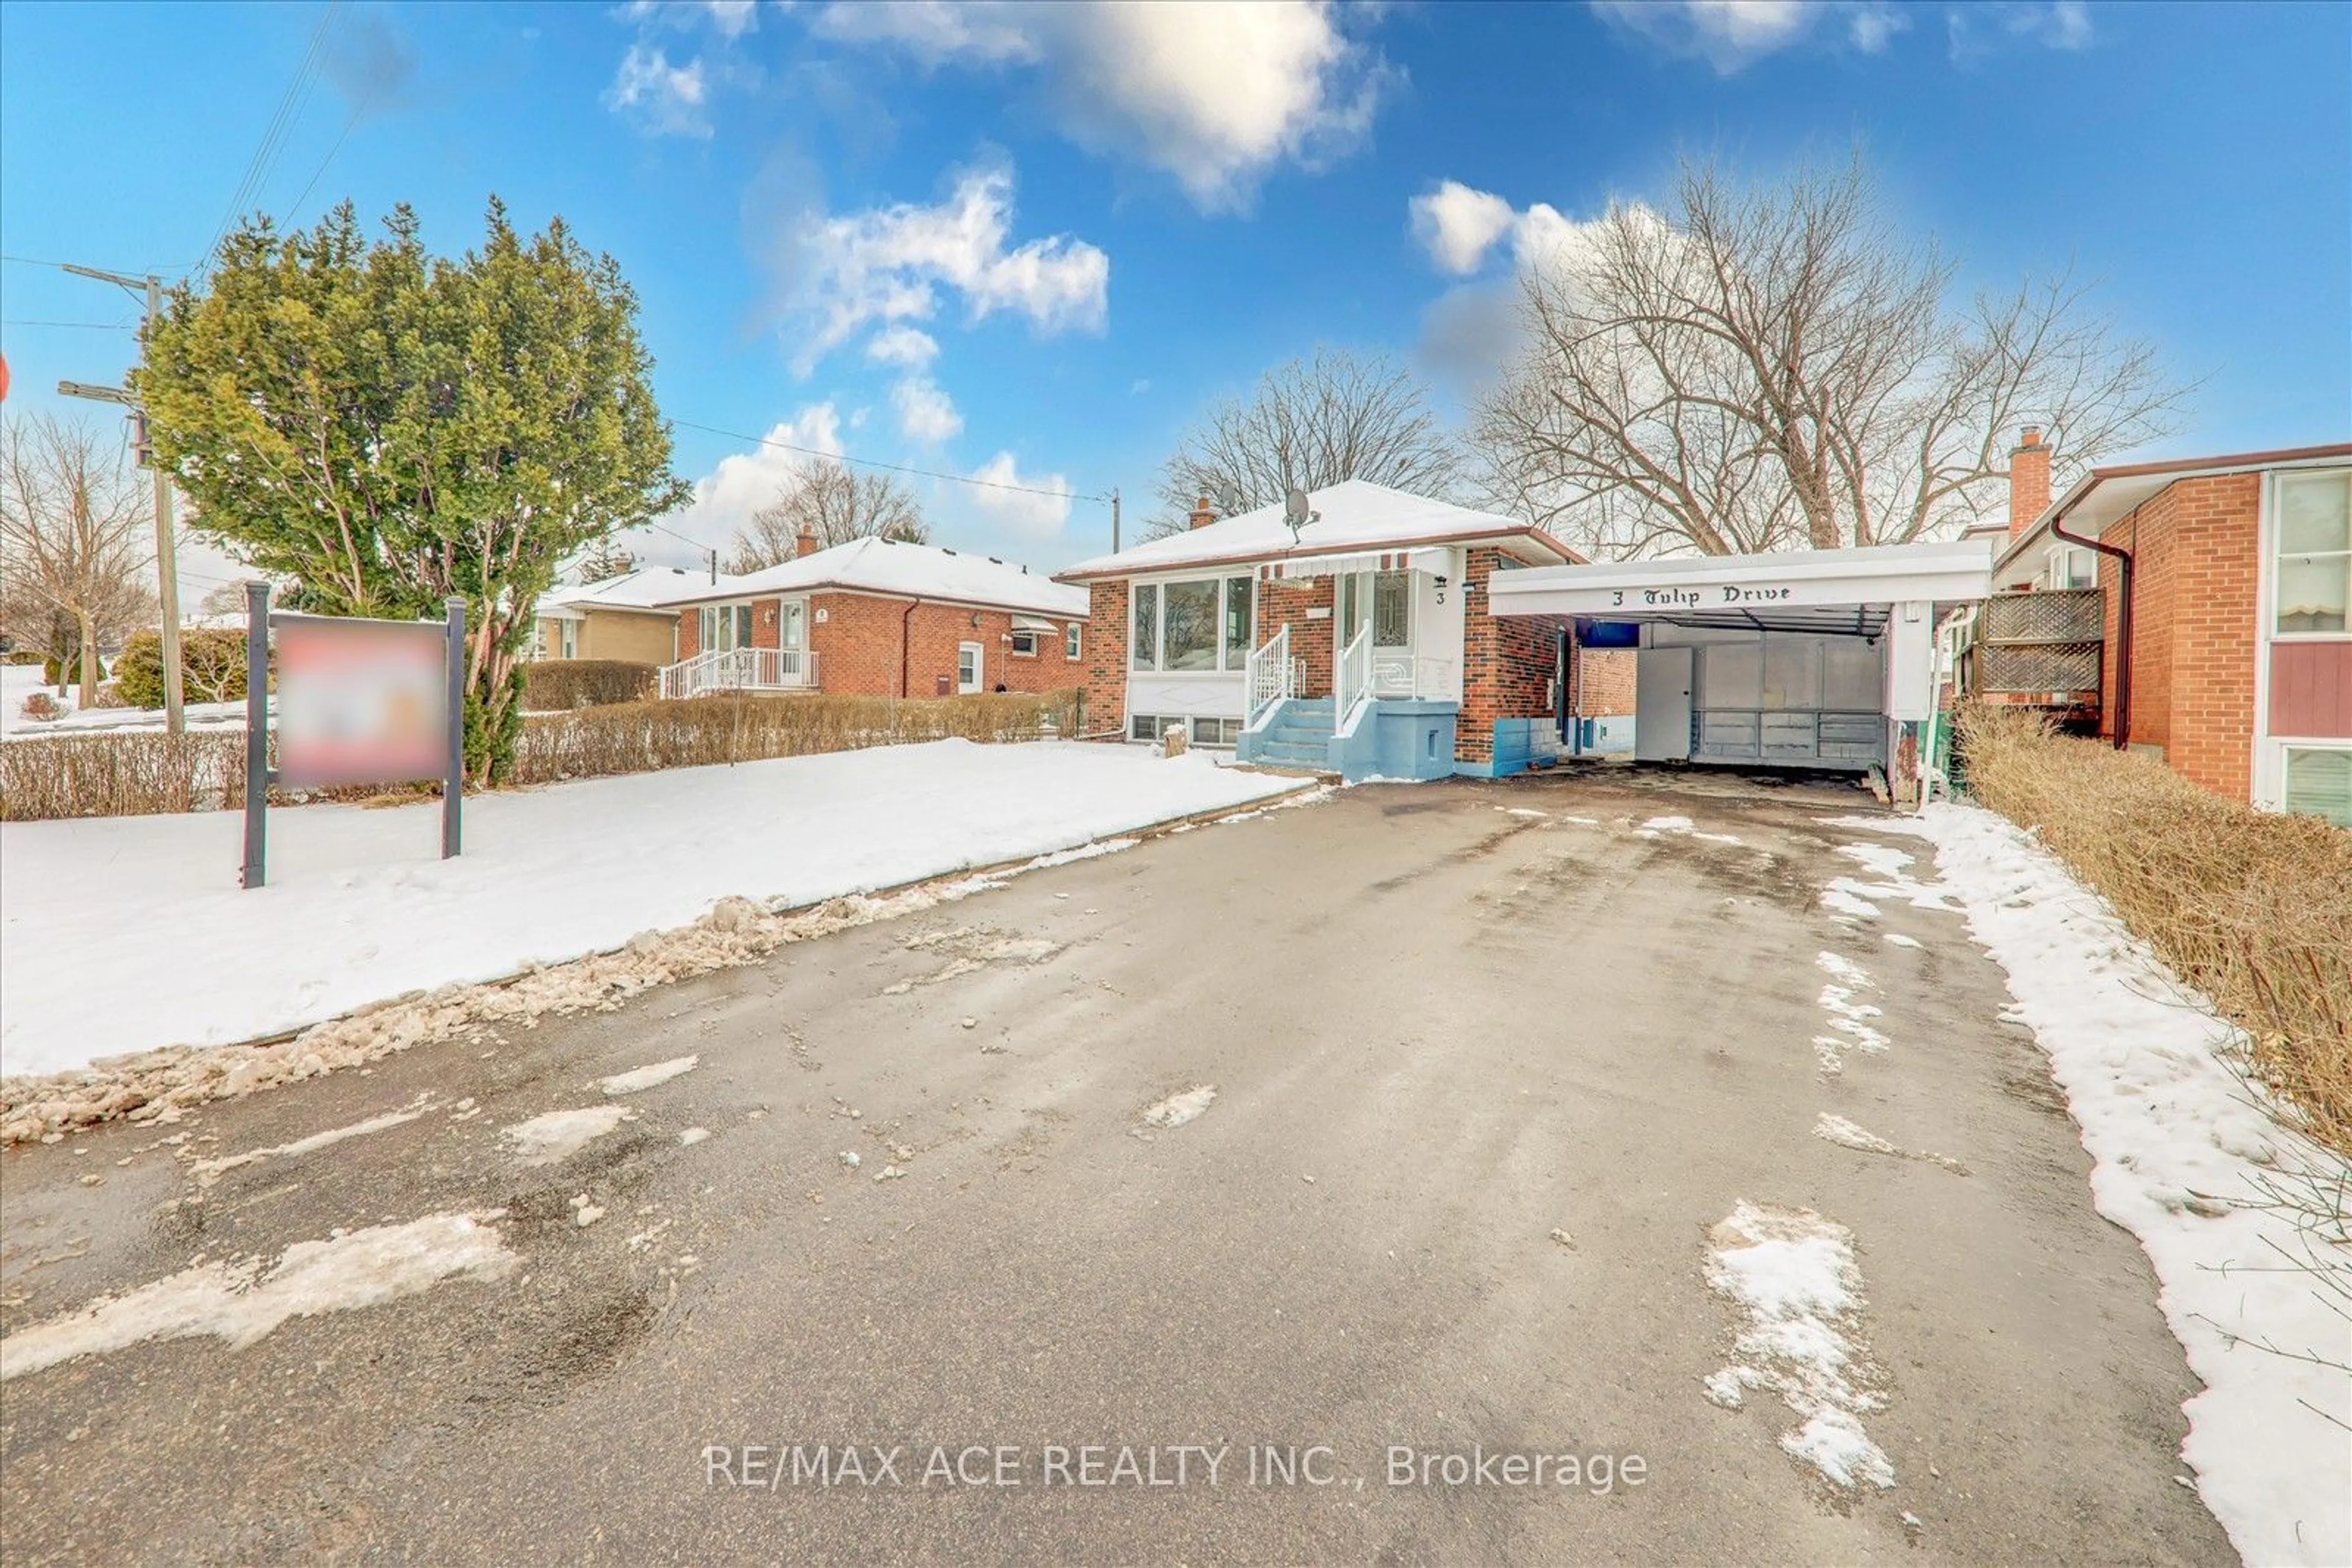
212	668
554	685
142	771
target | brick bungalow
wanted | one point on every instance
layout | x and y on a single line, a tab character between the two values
624	617
876	618
2227	587
1361	642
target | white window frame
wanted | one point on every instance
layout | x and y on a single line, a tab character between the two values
1028	636
2272	509
979	669
2268	786
1074	640
1220	670
2280	749
568	636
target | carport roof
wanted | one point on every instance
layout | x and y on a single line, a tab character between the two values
1808	590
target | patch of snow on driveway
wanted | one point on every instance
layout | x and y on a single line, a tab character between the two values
2183	1156
1178	1109
237	1302
560	1134
647	1077
1849	1018
1793	1273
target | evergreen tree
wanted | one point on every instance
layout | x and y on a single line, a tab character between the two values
382	429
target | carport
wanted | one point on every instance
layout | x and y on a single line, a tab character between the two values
1817	658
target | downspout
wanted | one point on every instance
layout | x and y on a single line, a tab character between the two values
905	657
2123	560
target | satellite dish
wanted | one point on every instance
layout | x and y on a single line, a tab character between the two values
1229	497
1295	512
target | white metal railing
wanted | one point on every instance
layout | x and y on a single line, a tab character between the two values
1351	682
741	669
1270	677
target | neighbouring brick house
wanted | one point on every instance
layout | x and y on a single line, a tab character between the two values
2227	588
1363	642
625	617
876	618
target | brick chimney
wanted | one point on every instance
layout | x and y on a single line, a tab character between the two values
2029	479
1203	513
807	544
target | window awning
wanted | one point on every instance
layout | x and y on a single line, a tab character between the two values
1437	563
1033	623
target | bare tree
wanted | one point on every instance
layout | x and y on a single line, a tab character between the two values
836	504
1311	423
1775	366
605	558
76	540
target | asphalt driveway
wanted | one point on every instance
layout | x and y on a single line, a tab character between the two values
1492	1067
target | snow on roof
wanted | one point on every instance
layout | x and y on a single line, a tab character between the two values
1356	515
904	571
646	588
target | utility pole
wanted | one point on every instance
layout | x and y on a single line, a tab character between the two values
167	570
1114	521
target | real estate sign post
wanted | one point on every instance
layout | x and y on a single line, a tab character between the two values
359	701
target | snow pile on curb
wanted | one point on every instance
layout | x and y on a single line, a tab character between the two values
235	1301
1794	1273
2186	1160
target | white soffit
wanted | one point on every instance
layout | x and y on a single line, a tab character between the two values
1951	570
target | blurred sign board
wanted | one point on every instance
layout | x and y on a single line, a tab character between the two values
359	702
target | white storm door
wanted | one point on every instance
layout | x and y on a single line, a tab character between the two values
968	670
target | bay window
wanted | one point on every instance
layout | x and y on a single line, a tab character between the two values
1197	625
725	626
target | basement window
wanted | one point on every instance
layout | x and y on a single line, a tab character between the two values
2319	782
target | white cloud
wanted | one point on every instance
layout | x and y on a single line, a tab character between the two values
1731	35
889	265
1214	94
1141	386
907	346
732	18
1023	512
1456	224
2059	25
926	414
667	100
743	482
1459	226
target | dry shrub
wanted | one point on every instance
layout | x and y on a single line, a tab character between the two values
2252	907
638	737
43	707
554	685
132	774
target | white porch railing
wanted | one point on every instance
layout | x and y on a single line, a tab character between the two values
741	669
1351	680
1269	680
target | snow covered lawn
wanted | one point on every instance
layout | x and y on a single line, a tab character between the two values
2186	1160
127	934
19	681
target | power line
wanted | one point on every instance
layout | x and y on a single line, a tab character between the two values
97	326
294	211
894	467
290	104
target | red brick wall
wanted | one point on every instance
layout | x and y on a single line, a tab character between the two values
2196	569
1284	602
1604	682
1508	663
1105	666
857	646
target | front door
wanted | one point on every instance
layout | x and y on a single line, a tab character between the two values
968	670
1662	705
1383	601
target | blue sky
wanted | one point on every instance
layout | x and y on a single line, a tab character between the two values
1032	244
